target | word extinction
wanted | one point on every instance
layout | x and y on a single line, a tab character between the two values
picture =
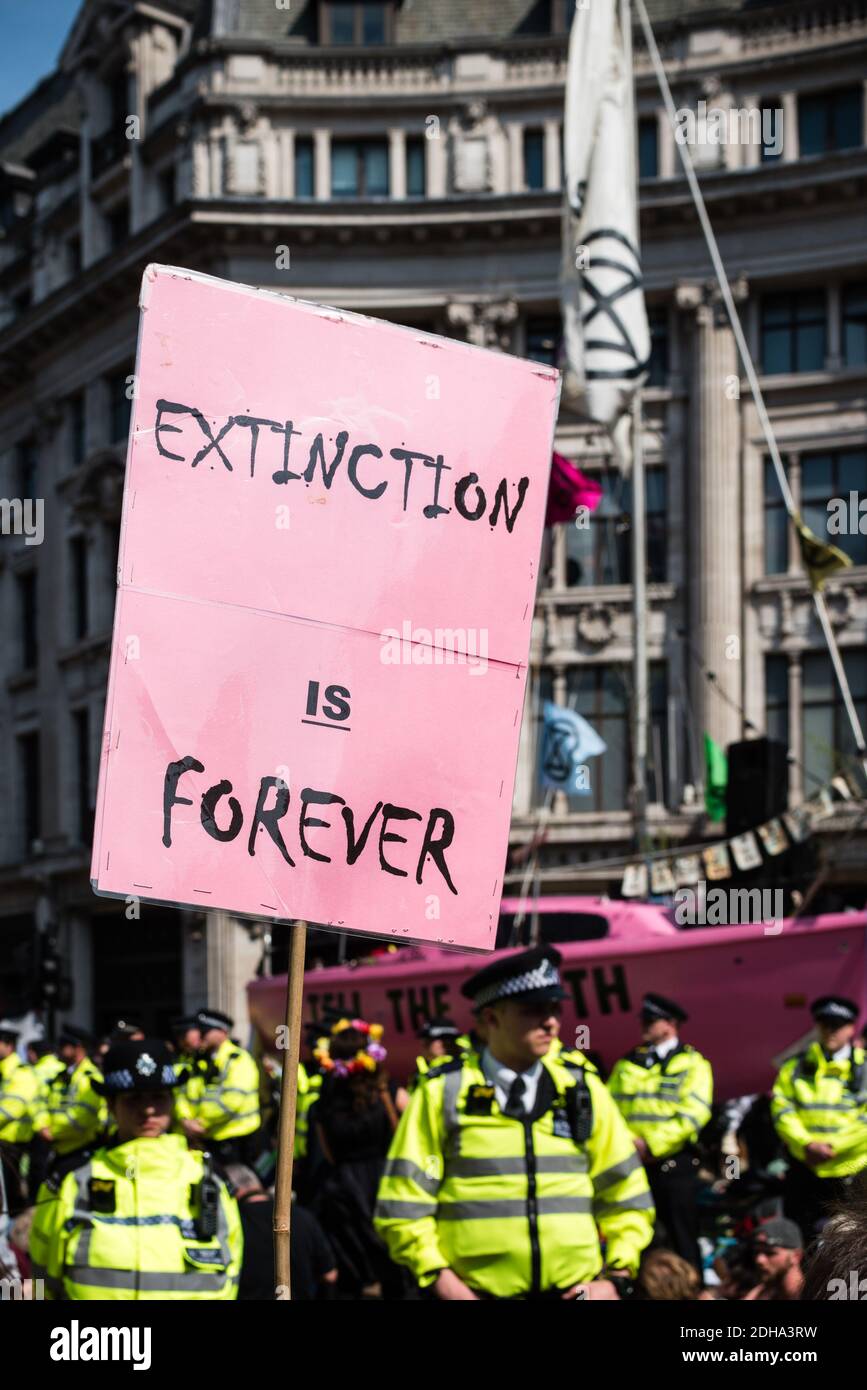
419	472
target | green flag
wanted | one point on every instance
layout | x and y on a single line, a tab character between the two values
716	776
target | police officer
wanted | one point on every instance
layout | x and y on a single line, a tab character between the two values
664	1089
508	1162
142	1218
19	1085
225	1117
439	1038
71	1113
819	1109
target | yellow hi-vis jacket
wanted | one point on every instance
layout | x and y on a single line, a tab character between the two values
19	1087
816	1100
667	1103
309	1089
512	1205
71	1109
124	1224
228	1105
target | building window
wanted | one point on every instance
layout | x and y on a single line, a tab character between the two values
358	23
562	15
843	476
81	725
167	188
120	404
776	524
118	226
793	331
648	148
777	698
830	121
304	166
854	301
534	159
543	339
76	429
601	552
415	167
28	620
26	470
658	323
79	587
73	255
359	169
827	734
29	789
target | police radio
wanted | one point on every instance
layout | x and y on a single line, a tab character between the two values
209	1202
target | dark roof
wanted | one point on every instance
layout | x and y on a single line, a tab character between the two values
431	21
52	105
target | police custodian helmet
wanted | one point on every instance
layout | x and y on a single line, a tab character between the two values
531	976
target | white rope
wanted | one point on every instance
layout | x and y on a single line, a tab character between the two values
749	369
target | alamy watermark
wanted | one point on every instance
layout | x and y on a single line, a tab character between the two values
717	125
441	646
23	518
722	907
847	516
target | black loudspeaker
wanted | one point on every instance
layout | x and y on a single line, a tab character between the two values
758	785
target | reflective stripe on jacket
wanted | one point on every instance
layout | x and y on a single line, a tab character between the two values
229	1103
813	1102
74	1112
667	1104
511	1205
123	1226
19	1087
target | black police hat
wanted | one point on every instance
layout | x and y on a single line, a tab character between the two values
143	1065
657	1006
214	1018
531	976
437	1028
70	1033
183	1024
833	1008
123	1028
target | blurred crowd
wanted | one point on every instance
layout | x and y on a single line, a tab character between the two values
668	1196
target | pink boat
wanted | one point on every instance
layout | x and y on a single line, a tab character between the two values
747	988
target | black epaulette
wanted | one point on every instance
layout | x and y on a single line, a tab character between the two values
63	1164
450	1064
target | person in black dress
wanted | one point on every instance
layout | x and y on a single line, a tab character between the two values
351	1127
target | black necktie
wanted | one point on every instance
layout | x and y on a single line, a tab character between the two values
515	1101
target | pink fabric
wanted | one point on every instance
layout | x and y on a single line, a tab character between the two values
569	489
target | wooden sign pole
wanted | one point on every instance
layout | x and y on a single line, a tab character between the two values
288	1107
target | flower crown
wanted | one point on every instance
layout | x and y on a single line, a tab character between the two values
365	1059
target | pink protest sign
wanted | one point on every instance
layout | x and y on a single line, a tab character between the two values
327	567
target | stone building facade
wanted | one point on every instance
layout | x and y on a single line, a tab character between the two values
404	160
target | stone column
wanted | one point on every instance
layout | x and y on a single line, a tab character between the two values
515	135
553	179
231	963
790	127
714	509
436	161
796	741
792	465
397	163
322	163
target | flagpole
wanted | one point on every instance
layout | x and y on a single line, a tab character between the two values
750	373
638	538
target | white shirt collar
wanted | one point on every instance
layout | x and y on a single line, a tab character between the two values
501	1078
841	1054
662	1049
